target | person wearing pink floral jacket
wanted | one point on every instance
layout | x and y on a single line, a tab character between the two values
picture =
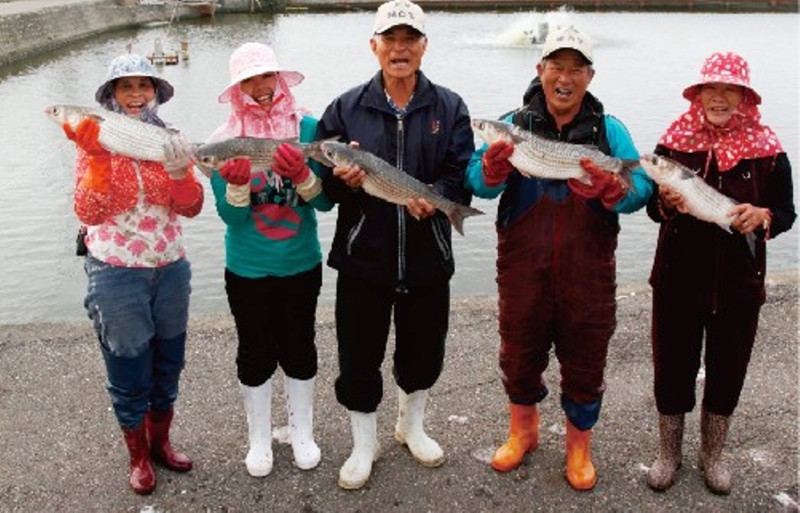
138	275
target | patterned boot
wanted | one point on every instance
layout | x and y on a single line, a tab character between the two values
662	473
714	431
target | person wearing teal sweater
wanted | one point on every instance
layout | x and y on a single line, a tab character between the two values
273	259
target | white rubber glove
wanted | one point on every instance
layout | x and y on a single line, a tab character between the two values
179	157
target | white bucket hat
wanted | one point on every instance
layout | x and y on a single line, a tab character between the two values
399	12
132	65
571	37
251	60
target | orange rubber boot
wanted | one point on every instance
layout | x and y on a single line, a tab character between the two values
580	471
522	438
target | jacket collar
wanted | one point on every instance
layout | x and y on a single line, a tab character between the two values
375	97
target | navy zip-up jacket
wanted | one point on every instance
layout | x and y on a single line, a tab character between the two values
377	240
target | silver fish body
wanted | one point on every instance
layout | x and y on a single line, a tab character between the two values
536	156
119	133
385	181
260	152
702	201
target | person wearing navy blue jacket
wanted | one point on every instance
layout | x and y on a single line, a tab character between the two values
556	268
391	259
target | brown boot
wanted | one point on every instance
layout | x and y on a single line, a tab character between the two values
662	473
580	471
158	423
522	438
143	477
713	432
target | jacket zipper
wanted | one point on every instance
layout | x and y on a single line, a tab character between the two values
401	217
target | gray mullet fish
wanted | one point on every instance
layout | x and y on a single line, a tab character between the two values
260	152
703	201
119	133
536	156
385	181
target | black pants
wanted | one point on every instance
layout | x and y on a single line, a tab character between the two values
363	318
275	323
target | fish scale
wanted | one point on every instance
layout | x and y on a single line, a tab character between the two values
702	200
119	133
386	182
540	157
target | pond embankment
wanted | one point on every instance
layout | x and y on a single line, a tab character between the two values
33	27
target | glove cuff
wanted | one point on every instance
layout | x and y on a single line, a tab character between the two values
98	177
238	195
310	188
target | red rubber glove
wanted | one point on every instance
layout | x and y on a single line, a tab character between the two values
290	163
236	172
85	136
605	186
496	166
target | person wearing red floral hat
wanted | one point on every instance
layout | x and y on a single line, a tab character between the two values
706	282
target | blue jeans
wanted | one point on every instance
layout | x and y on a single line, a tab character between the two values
140	317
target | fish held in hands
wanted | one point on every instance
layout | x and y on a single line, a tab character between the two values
385	181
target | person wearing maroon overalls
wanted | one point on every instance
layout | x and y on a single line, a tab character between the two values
556	269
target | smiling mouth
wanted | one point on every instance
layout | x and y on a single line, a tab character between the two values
563	93
265	99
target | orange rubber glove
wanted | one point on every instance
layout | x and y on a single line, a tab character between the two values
496	166
605	186
290	163
86	136
98	177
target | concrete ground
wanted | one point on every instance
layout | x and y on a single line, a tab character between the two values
61	449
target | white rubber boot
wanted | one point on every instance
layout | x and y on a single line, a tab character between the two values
300	407
258	406
356	470
410	431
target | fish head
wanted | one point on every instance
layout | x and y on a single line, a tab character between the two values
216	154
334	152
492	131
64	114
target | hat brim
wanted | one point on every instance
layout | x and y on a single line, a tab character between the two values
693	90
292	78
388	26
164	90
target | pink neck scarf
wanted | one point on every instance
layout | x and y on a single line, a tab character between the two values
249	119
743	137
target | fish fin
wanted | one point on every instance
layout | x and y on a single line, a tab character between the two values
97	117
172	131
751	243
626	173
459	213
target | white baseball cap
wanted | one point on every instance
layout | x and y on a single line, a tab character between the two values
571	37
399	12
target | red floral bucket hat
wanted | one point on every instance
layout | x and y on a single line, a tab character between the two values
725	68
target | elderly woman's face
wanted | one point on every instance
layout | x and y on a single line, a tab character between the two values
720	101
134	93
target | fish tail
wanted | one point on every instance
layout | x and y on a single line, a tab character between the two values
626	173
459	213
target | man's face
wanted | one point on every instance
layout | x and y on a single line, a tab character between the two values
565	77
399	51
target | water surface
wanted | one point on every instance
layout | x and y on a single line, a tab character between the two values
643	62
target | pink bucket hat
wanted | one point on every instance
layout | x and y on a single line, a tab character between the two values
725	68
253	59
